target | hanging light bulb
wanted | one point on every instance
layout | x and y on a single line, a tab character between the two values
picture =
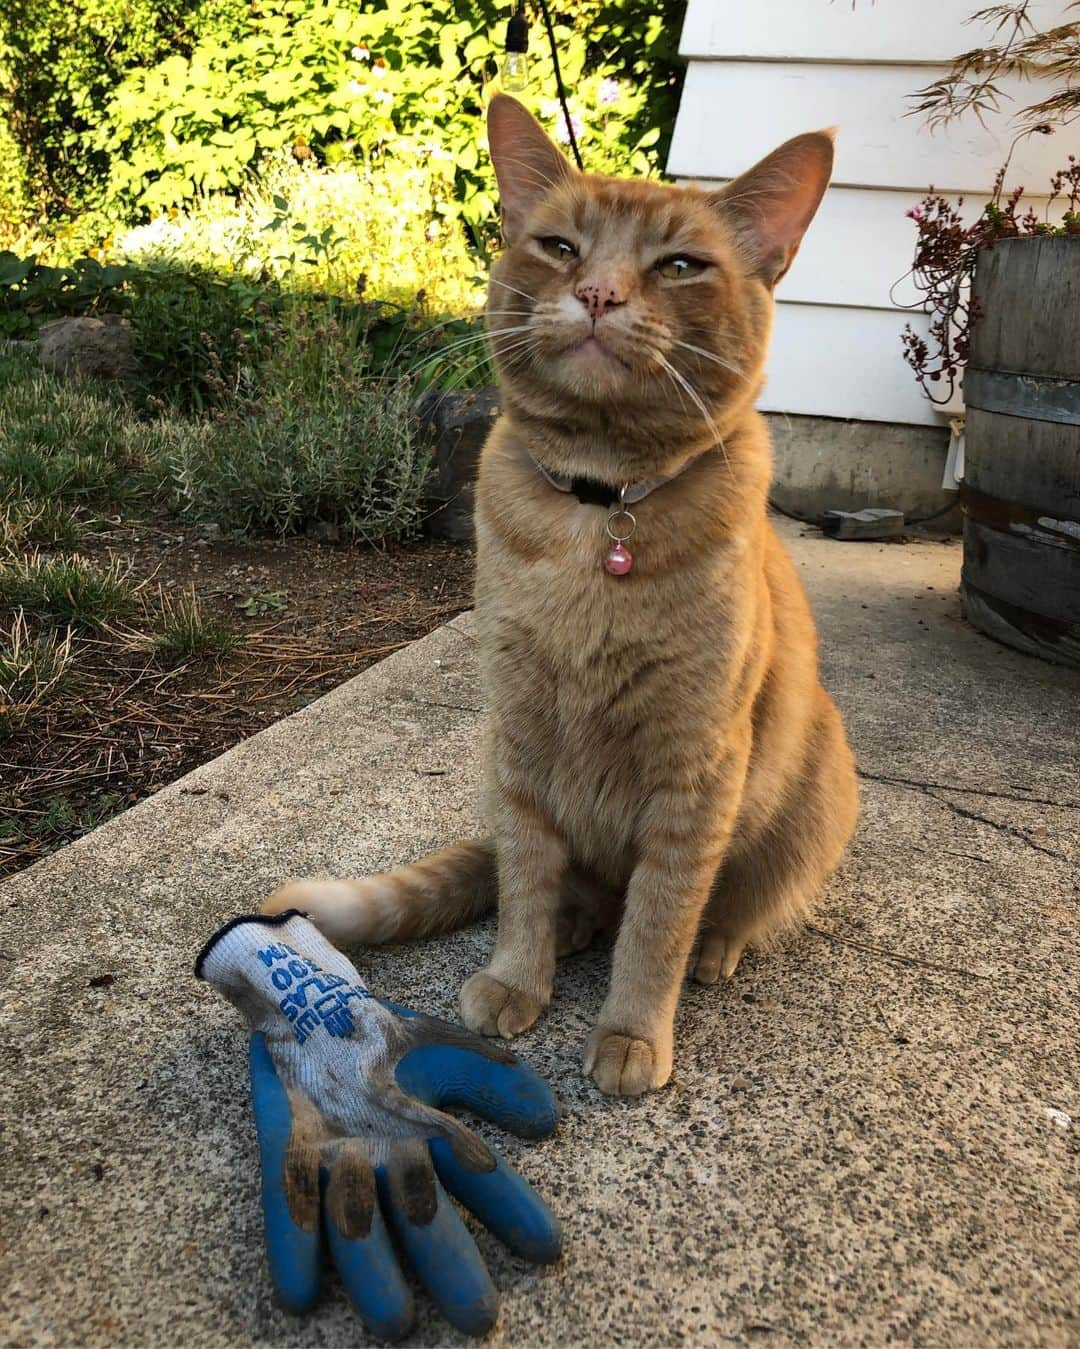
515	66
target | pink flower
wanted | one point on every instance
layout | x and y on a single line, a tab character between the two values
561	131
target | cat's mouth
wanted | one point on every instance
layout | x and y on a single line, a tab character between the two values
594	349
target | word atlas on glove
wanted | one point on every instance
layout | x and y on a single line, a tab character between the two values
348	1094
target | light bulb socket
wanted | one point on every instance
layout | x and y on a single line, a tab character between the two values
517	31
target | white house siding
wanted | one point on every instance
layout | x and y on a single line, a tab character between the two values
761	72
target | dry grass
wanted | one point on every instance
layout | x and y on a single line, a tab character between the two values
33	669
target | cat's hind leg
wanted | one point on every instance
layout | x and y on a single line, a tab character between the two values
586	907
770	883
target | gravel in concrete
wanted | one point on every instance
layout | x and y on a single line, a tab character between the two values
870	1135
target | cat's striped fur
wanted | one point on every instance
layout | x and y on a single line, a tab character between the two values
661	756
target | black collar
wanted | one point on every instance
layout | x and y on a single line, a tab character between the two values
590	492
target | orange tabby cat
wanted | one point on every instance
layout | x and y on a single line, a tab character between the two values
660	752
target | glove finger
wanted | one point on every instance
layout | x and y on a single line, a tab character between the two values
436	1241
504	1202
290	1187
361	1248
510	1095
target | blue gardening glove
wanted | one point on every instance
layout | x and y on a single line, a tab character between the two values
347	1094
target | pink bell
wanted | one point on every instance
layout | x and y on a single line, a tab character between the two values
618	560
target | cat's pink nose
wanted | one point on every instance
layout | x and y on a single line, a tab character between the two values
599	297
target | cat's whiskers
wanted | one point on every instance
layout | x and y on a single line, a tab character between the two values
467	365
508	339
473	338
494	280
668	371
710	356
698	402
524	351
452	348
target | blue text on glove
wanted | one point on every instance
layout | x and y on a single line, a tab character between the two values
304	978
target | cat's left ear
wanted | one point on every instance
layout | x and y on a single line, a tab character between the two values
770	206
527	165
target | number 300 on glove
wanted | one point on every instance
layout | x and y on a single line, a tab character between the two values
348	1096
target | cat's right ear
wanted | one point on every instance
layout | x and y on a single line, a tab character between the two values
527	165
769	206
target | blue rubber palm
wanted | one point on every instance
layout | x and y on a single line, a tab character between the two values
348	1094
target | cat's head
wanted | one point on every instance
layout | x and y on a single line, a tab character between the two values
638	306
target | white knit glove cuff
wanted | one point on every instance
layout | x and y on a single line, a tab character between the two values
282	966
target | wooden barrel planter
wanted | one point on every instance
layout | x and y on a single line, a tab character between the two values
1021	490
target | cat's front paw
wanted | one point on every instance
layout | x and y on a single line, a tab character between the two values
622	1065
494	1008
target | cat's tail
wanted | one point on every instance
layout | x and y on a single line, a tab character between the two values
442	892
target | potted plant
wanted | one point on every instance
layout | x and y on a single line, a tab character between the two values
1003	293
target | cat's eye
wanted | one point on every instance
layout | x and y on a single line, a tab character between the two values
679	267
557	248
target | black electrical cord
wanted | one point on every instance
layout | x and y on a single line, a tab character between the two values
935	515
560	87
802	519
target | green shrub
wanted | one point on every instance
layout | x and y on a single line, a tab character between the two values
59	65
64	447
321	441
66	590
315	426
191	329
31	291
15	199
338	229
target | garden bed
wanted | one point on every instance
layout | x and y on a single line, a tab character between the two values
301	616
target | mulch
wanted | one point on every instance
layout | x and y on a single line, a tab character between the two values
309	614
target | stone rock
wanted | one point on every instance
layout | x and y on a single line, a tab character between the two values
323	531
92	348
454	425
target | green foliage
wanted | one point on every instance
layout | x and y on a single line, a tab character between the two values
59	821
31	291
191	329
68	456
197	334
15	200
189	633
59	65
344	228
66	590
320	441
314	425
26	521
161	105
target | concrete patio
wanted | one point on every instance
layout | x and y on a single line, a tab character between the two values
869	1137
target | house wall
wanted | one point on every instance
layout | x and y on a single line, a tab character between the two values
761	72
